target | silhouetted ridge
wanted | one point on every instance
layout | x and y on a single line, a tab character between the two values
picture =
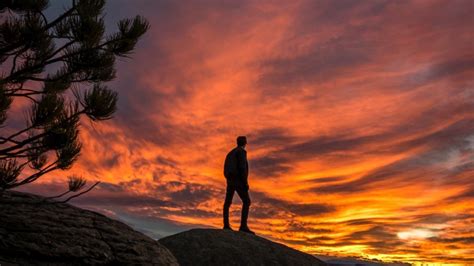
222	247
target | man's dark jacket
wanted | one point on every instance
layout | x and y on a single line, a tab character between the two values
236	167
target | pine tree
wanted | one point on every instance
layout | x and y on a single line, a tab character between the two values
59	66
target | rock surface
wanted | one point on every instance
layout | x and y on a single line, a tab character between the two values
220	247
33	231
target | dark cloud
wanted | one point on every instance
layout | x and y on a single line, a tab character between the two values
316	14
453	136
467	194
158	173
192	212
401	173
298	226
439	218
349	47
139	163
310	209
112	161
166	161
325	61
326	144
120	186
370	180
440	143
280	161
375	232
111	187
270	165
456	259
278	206
362	221
123	200
436	72
130	183
191	194
270	137
184	196
328	179
460	240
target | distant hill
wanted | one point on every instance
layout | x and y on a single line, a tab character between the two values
220	247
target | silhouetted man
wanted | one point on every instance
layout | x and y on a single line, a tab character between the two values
236	172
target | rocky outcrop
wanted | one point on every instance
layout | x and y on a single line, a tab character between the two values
221	247
33	232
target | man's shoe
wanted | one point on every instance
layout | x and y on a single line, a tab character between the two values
246	230
228	228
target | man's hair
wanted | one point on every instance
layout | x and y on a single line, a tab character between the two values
241	140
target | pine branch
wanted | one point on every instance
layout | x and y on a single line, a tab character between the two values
45	20
8	150
5	140
10	138
58	196
15	58
25	163
26	95
63	58
33	177
82	193
14	46
23	94
51	80
53	23
58	19
62	48
21	153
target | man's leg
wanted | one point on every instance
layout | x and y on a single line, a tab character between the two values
229	195
245	197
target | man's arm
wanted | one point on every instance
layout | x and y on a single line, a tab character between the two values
242	166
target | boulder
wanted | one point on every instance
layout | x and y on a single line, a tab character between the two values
34	231
222	247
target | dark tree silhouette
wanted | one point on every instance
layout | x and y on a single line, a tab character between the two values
58	66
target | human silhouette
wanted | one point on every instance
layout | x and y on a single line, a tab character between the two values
236	171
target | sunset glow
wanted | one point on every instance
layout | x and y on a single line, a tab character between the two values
359	117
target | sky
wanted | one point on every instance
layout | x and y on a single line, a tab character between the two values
359	117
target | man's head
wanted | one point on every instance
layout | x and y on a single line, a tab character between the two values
241	141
